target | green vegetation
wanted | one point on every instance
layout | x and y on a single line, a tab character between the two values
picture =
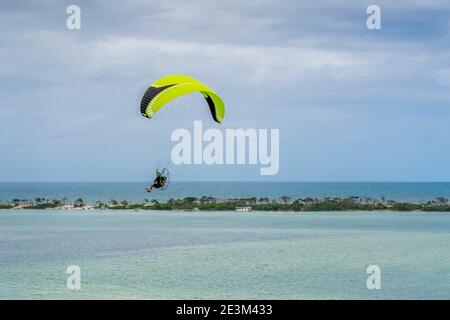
207	203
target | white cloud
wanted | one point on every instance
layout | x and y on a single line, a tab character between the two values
313	61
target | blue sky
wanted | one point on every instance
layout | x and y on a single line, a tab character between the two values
351	104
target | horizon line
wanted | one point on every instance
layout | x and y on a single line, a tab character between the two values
233	181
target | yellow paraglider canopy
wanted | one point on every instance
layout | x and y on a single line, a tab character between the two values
173	86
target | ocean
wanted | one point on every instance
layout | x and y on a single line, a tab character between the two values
223	255
135	191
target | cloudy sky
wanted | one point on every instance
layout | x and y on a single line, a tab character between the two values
351	104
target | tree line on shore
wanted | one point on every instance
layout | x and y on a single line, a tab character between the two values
208	203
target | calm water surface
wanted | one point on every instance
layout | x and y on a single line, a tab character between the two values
165	255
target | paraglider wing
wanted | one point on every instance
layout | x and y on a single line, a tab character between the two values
171	87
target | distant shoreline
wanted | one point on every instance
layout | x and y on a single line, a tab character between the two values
205	203
134	192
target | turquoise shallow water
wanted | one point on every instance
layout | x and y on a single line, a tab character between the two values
165	255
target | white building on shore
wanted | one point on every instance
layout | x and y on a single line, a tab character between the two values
244	209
